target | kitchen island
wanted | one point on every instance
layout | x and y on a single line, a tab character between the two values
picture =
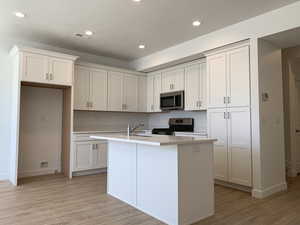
170	178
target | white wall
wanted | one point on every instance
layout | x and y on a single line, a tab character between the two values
272	153
40	131
160	120
6	90
269	23
5	96
291	70
107	121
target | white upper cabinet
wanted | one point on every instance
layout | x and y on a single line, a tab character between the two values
35	68
154	83
216	75
238	77
90	89
40	66
60	71
229	78
157	91
115	91
98	90
150	93
130	93
81	88
195	86
173	80
142	94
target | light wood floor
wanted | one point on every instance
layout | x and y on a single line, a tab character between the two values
55	200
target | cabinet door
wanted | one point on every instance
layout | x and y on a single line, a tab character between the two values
98	90
130	93
192	87
61	71
239	146
115	91
35	68
173	80
83	156
217	128
142	94
216	75
238	77
81	88
150	93
156	92
99	155
203	86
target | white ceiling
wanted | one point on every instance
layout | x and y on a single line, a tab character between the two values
121	25
286	39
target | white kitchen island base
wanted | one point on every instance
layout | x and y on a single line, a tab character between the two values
173	183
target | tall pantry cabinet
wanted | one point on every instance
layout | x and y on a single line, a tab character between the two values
228	103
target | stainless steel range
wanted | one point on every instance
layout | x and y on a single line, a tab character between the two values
176	125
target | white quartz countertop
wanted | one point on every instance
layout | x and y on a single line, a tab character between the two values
157	140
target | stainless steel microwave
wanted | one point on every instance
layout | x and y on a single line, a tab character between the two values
172	101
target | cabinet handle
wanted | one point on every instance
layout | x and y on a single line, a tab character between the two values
170	86
51	76
91	104
152	107
224	115
228	115
228	100
87	104
47	76
200	103
224	100
96	146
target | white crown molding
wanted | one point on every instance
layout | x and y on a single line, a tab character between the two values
17	49
107	68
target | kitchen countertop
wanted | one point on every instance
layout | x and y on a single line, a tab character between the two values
153	140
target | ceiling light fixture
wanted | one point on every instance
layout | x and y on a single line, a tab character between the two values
89	33
142	46
19	14
196	23
136	0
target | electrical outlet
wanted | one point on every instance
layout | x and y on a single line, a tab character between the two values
44	164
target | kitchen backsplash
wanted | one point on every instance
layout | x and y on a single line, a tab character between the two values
160	120
92	121
110	121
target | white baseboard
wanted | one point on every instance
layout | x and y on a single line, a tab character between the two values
233	186
3	176
89	172
269	191
33	173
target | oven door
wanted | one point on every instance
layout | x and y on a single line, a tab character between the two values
172	101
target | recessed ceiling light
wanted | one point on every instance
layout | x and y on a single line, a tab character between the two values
142	46
136	0
196	23
89	33
19	14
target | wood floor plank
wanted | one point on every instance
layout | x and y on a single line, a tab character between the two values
55	200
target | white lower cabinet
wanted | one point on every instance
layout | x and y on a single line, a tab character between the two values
89	155
232	151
